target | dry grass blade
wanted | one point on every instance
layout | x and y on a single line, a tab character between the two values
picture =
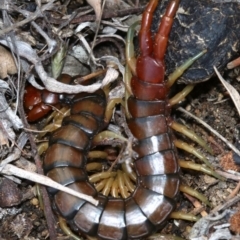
96	4
232	91
9	169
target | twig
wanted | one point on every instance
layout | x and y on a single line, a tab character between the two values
228	175
31	17
9	169
109	14
227	204
234	192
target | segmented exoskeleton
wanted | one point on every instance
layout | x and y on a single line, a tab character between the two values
152	201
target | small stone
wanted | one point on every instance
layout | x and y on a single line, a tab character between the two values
34	202
10	195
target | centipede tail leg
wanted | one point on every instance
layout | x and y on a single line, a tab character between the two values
34	105
38	103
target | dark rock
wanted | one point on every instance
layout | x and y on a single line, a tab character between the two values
202	25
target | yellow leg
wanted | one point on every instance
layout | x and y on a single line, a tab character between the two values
130	56
107	135
97	154
194	193
180	70
181	95
42	147
66	229
163	236
94	166
184	216
128	90
109	109
182	145
190	134
199	167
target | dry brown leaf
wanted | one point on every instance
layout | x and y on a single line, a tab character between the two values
7	64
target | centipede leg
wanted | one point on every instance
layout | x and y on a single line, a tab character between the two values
181	95
186	147
194	193
190	134
197	167
128	90
107	135
109	109
180	70
163	236
130	55
97	154
63	225
41	148
184	216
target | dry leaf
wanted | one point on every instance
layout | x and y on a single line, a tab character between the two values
7	64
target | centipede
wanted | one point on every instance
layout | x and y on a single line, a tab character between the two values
147	208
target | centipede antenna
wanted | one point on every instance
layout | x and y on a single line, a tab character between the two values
145	38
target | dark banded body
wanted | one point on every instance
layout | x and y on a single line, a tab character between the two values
147	209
